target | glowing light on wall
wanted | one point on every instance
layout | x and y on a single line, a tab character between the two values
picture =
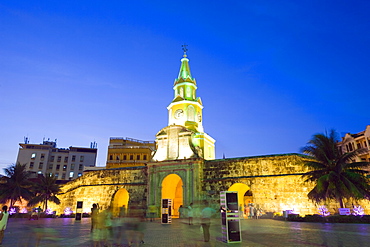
323	211
358	210
12	211
68	211
23	211
49	211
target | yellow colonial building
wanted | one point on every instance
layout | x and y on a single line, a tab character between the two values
128	152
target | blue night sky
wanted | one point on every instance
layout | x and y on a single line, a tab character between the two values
270	73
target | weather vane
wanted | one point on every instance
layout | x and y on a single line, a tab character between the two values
184	49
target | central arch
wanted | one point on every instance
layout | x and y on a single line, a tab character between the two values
244	195
120	202
172	189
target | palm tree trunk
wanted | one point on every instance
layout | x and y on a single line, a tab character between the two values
340	200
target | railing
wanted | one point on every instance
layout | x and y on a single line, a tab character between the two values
131	139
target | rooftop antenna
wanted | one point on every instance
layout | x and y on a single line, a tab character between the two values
26	141
93	145
185	49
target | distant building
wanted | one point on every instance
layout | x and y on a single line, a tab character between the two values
351	142
128	152
63	163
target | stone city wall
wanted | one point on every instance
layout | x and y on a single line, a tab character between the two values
100	187
275	181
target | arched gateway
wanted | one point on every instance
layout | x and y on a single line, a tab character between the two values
172	188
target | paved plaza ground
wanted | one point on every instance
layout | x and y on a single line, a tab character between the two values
263	232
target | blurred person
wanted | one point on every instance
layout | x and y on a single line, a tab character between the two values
99	234
152	212
108	222
251	211
135	224
190	213
94	216
120	225
3	222
206	216
181	212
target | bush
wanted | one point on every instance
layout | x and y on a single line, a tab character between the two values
314	218
365	219
295	217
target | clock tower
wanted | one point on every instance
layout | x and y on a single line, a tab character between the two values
184	136
185	108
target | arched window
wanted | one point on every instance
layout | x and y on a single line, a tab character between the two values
191	113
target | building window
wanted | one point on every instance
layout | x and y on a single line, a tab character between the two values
31	165
110	157
50	174
144	158
56	175
42	156
58	167
80	167
72	166
33	156
59	158
79	174
117	158
66	159
71	174
64	167
40	165
73	158
124	157
81	158
52	158
63	176
131	157
50	166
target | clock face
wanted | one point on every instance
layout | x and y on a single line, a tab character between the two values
179	113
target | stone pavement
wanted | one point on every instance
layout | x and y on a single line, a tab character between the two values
263	232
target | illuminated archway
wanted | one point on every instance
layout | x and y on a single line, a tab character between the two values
172	189
244	194
120	200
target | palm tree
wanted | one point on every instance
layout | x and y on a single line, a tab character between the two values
45	190
336	175
15	185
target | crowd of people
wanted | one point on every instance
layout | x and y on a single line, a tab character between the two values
109	231
129	226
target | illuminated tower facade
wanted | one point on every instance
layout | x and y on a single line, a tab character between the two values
184	137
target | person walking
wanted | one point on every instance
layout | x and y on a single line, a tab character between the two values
190	213
3	222
94	216
206	215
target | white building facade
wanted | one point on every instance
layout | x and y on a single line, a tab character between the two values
361	140
63	163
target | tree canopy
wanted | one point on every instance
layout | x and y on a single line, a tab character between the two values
45	189
16	184
336	175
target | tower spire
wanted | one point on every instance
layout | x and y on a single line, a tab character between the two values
185	49
184	73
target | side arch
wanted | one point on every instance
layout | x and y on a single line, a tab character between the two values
244	195
120	201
